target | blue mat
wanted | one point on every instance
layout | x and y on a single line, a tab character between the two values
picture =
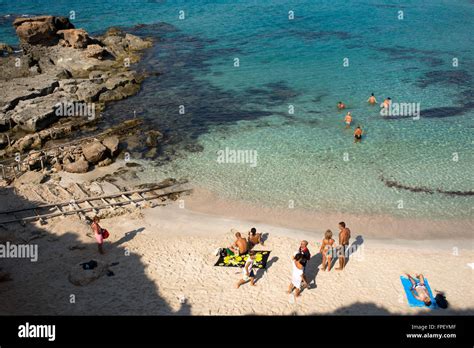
412	301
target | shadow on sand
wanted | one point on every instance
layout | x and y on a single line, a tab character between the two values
260	273
43	288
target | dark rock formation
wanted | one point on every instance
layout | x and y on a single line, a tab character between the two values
41	30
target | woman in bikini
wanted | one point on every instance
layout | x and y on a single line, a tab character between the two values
327	247
419	290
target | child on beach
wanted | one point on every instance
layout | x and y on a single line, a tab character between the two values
327	247
341	105
99	233
247	272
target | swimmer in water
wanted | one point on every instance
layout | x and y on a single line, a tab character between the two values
357	135
341	105
386	103
372	99
348	119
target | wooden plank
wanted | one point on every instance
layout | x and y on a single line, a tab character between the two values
83	210
82	200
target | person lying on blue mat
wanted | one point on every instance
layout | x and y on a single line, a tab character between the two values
419	290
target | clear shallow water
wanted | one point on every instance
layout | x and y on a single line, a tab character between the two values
301	156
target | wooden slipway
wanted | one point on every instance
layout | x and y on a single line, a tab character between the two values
93	204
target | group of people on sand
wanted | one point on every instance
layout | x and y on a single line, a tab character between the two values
241	245
348	118
328	249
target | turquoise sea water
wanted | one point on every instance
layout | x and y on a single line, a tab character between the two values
306	157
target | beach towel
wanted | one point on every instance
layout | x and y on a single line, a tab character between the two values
412	301
261	259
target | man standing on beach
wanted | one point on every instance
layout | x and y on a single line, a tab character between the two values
344	236
306	256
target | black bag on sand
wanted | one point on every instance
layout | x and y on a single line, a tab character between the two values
89	265
441	300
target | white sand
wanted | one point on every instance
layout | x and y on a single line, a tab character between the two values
171	258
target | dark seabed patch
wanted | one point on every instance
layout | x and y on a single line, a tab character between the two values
460	78
422	189
428	57
205	104
317	99
309	35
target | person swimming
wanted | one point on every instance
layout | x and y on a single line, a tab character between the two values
358	134
341	105
386	103
372	99
348	119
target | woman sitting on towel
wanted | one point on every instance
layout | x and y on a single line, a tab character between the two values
419	290
254	238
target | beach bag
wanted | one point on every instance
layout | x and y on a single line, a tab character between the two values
105	233
89	265
441	301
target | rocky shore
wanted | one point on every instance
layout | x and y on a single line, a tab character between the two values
57	86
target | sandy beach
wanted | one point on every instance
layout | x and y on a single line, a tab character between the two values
144	108
166	258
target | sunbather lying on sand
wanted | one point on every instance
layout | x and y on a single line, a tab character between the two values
419	290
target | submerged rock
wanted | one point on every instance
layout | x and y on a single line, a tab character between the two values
152	138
